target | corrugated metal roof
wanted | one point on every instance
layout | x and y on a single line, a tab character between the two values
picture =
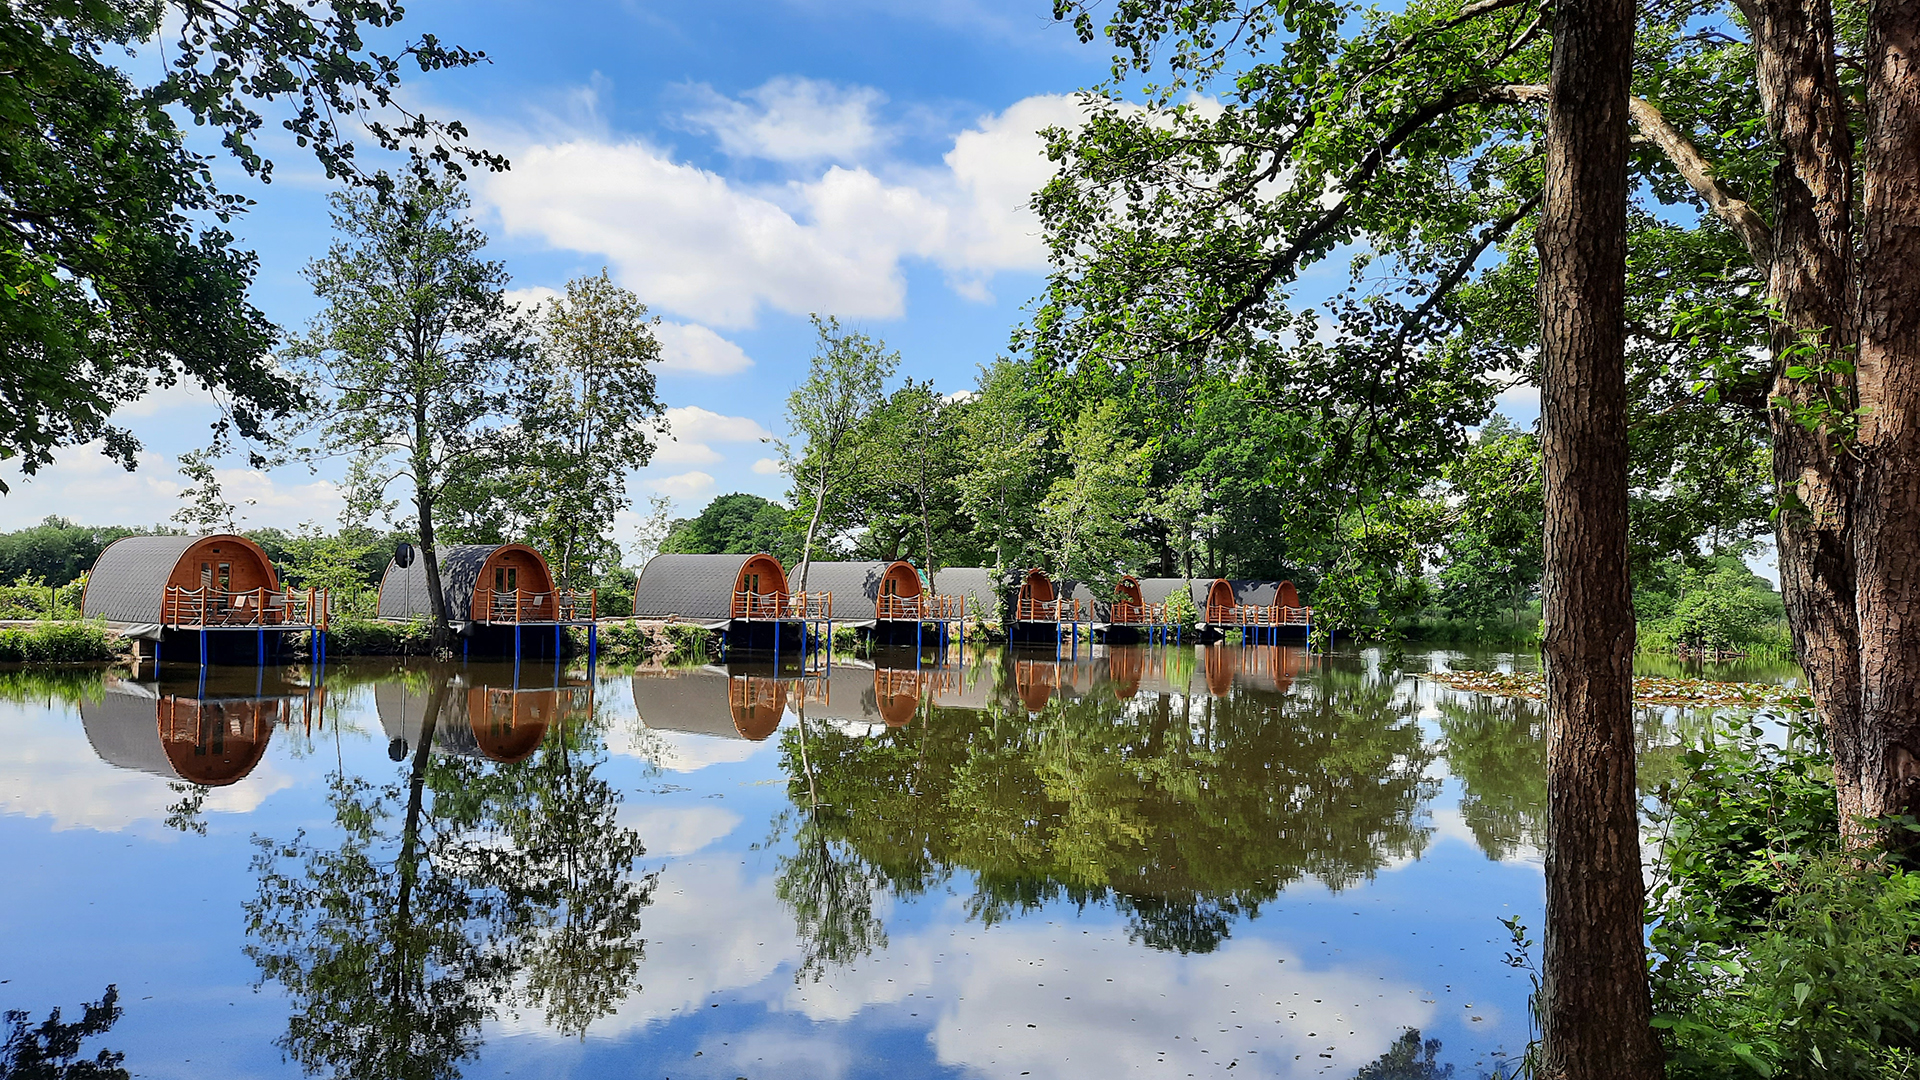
855	587
974	584
129	579
403	592
698	588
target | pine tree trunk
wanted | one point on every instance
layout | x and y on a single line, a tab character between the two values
1810	282
1887	501
1595	1008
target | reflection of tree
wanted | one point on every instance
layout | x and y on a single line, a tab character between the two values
1407	1059
1182	814
1497	749
50	1050
824	881
185	814
399	942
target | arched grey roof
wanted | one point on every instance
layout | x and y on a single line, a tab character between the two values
972	584
1158	590
403	708
1256	593
697	588
403	591
128	580
123	723
855	587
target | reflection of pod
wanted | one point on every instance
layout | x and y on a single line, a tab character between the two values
1125	667
1220	662
1034	680
710	701
171	731
482	713
897	692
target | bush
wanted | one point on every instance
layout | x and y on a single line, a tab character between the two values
648	643
1775	953
57	643
29	597
356	635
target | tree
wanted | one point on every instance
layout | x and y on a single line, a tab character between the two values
843	385
906	490
56	550
734	524
1090	515
50	1050
1493	550
586	418
417	353
204	506
1005	439
1595	1007
114	280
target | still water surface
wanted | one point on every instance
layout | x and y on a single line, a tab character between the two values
1143	861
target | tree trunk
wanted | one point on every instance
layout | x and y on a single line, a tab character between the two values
1595	1007
1810	283
430	564
819	504
1887	501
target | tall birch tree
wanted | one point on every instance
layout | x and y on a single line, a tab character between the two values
845	382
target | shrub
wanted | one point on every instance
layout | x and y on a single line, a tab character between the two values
356	635
647	643
1776	953
57	643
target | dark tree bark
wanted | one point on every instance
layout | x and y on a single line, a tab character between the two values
1595	1010
1810	281
1887	502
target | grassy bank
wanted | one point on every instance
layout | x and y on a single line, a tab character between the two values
57	643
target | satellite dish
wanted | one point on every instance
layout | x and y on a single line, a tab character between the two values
403	556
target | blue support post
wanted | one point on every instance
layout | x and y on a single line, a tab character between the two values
776	645
593	644
261	645
203	654
556	645
516	646
156	655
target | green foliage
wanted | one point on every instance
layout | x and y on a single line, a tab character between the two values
1775	952
736	524
357	635
117	274
50	1050
31	598
56	550
658	643
586	417
57	643
1716	604
1493	552
845	384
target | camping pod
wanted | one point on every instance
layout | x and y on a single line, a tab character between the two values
888	599
214	598
745	595
494	594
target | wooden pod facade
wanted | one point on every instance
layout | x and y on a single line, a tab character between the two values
715	591
220	581
210	734
485	585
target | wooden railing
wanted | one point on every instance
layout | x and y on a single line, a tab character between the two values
1026	610
922	608
522	606
208	606
753	606
1258	615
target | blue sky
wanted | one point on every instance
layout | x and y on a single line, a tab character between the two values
738	165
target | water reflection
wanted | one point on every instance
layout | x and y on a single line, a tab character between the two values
1183	812
208	733
492	874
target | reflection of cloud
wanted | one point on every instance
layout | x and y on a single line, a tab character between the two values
710	930
676	831
677	751
1251	1001
50	770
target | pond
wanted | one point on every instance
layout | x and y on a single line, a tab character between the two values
1134	861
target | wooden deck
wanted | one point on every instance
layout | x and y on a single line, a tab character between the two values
922	608
1053	611
1258	615
782	607
211	608
522	606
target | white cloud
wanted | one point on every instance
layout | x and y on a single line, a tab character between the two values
681	452
686	485
532	297
767	466
677	831
696	350
84	485
691	422
791	119
697	243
